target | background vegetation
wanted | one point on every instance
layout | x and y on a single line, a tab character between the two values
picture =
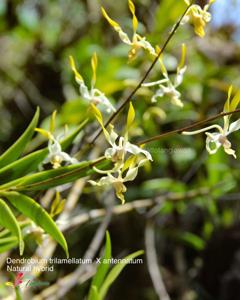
183	209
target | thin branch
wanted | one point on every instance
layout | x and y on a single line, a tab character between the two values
96	214
180	130
152	262
129	98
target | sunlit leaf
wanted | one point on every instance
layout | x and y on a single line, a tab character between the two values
31	209
17	148
103	267
30	162
115	272
51	178
7	244
94	294
8	220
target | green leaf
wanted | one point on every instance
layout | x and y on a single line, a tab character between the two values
30	208
8	244
115	272
94	294
30	162
51	178
8	239
8	220
193	240
102	269
17	148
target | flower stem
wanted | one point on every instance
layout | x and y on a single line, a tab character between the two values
180	130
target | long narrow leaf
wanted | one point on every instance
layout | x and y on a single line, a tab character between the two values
8	220
101	270
103	267
30	162
17	148
51	178
30	208
8	244
115	272
94	294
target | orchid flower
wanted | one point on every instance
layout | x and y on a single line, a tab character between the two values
117	182
198	17
93	96
219	138
56	156
138	42
167	87
118	154
120	145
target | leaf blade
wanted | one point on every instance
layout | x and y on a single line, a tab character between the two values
30	162
51	178
103	267
115	272
16	149
30	208
9	221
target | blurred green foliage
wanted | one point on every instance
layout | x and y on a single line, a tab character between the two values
36	38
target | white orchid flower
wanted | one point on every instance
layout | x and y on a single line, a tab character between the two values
118	154
167	87
198	17
117	182
138	42
93	95
219	138
56	156
120	147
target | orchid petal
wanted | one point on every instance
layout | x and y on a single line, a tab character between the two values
234	126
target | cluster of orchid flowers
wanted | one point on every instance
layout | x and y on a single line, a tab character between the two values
195	15
126	157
